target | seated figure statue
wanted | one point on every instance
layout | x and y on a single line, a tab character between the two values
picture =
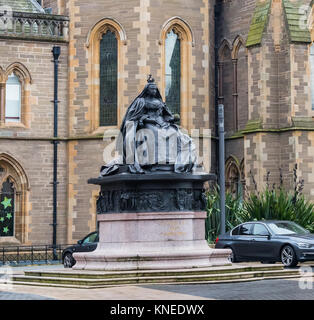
150	140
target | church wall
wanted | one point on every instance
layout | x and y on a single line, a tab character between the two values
36	159
142	21
37	59
30	144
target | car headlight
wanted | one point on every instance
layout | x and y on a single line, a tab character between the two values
304	245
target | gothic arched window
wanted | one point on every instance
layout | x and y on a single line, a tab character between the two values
13	99
106	44
7	209
14	192
15	96
108	79
176	41
234	181
240	83
173	72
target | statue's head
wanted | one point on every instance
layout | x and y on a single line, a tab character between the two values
151	88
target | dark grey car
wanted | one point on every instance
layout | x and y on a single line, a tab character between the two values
269	241
87	244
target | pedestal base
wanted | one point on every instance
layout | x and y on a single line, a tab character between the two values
148	241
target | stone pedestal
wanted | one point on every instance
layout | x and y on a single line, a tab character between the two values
157	238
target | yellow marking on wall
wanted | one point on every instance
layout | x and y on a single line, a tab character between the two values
73	62
72	193
205	91
142	37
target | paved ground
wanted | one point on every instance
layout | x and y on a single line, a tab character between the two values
256	290
288	289
11	295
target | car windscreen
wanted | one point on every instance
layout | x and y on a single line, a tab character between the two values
91	238
286	228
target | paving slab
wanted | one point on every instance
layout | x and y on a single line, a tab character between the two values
281	289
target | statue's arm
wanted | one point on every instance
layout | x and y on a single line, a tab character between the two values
168	116
142	119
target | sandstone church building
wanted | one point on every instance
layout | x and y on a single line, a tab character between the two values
254	56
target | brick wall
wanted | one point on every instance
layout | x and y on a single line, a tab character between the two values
36	158
37	58
57	6
142	21
31	147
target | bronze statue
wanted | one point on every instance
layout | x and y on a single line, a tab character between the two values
149	138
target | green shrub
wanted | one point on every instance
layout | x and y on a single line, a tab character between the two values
275	204
279	204
233	211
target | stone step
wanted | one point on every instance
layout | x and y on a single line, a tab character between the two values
182	279
73	286
68	273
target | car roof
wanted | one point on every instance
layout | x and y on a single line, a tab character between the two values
267	221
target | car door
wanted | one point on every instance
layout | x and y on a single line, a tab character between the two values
261	246
242	241
89	243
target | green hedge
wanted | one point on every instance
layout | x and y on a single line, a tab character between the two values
276	204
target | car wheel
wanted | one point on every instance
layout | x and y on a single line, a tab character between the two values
232	257
288	257
68	261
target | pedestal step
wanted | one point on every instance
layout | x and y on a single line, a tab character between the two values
88	279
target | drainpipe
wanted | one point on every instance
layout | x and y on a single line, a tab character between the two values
218	69
222	182
56	53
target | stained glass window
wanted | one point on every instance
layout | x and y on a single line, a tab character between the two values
312	73
13	99
108	79
173	72
7	209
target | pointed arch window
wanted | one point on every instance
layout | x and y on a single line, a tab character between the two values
177	41
235	177
108	79
13	99
7	208
106	44
173	71
15	85
14	192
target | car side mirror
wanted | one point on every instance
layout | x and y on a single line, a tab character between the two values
80	242
269	237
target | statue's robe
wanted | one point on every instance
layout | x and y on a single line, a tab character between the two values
142	145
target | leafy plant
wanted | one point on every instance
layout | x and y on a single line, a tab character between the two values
213	220
279	204
271	204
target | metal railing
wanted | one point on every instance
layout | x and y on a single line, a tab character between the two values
29	255
36	26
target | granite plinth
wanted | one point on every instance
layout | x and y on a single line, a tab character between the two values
148	241
151	221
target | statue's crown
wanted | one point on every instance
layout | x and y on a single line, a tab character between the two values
150	79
